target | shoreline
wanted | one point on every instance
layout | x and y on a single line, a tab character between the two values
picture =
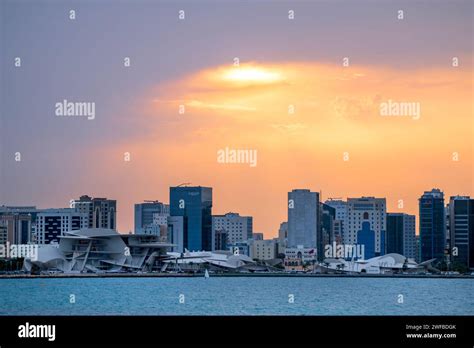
242	275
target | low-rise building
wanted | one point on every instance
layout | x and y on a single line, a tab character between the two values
240	248
296	259
264	249
282	237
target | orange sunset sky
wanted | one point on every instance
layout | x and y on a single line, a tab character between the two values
336	110
283	63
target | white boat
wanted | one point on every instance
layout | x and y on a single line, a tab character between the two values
206	274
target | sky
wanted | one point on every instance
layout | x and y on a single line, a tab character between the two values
283	64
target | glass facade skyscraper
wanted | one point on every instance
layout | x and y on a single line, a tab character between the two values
395	233
326	231
401	238
194	204
461	230
432	225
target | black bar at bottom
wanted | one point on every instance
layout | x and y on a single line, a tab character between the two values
259	330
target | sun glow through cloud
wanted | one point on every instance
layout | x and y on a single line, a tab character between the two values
251	74
302	117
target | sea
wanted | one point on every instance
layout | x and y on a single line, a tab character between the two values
231	296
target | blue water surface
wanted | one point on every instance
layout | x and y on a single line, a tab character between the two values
237	296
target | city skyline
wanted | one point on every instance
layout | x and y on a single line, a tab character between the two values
361	225
218	213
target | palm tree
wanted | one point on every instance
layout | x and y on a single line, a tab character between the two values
405	265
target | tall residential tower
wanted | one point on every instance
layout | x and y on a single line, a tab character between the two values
101	212
367	225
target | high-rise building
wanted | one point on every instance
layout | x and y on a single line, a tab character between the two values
395	233
100	212
401	237
327	236
52	223
19	223
461	230
409	236
367	225
432	225
144	214
341	215
418	249
194	204
238	228
303	218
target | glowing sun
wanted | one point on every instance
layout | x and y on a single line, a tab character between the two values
252	74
